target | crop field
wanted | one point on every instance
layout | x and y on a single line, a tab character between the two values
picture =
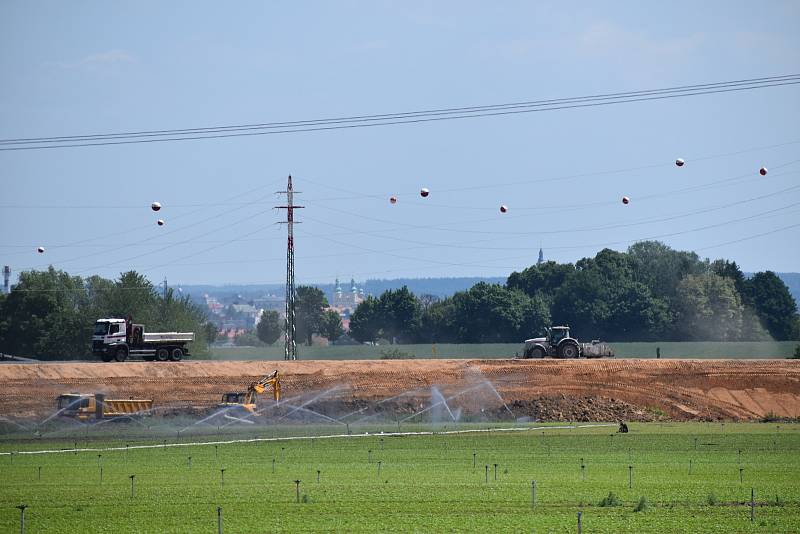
694	477
705	349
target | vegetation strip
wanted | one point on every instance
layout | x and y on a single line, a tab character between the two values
307	438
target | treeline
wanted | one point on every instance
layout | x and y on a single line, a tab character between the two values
50	314
650	292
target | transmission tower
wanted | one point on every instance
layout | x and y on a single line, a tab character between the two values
290	350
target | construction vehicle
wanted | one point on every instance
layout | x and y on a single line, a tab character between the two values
96	406
245	402
557	343
119	338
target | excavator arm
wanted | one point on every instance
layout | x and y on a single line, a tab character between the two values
261	386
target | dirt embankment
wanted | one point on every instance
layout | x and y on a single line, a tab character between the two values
469	389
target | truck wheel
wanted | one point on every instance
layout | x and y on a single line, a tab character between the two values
536	352
121	354
177	354
162	354
106	357
569	350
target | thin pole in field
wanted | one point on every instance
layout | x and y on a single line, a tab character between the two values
22	518
752	505
219	519
533	494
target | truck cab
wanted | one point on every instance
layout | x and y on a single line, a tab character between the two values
108	336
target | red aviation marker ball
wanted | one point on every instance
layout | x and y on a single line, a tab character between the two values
625	200
160	222
679	162
40	250
503	208
393	200
424	192
762	171
155	206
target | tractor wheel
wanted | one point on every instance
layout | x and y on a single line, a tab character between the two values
569	350
162	354
177	354
536	352
121	354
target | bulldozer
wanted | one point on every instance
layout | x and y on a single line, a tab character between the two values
245	402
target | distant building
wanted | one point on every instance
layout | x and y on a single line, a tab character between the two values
347	301
541	257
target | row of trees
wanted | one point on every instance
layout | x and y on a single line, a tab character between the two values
311	317
650	292
50	314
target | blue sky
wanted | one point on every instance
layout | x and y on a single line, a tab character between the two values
74	68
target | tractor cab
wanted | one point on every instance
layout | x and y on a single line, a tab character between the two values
556	333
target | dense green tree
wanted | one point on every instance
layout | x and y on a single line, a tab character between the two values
603	299
331	325
399	314
269	327
491	313
438	322
364	322
309	304
542	279
773	303
708	308
660	267
395	316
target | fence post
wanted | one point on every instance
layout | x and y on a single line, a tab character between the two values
219	519
580	527
752	505
533	494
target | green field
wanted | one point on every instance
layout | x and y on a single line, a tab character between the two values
754	349
425	483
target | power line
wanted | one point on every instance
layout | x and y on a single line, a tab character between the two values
361	121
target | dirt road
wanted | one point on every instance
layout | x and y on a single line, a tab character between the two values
541	389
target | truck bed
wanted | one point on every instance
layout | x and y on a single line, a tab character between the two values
153	337
119	407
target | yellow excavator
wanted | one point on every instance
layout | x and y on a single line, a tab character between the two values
247	400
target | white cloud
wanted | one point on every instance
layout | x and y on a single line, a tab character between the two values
100	59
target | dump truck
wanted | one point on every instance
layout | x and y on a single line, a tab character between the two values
116	339
96	406
558	343
245	402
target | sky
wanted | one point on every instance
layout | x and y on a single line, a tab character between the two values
73	68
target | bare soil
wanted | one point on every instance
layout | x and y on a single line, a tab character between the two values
541	390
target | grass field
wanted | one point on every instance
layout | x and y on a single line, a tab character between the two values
778	349
422	483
